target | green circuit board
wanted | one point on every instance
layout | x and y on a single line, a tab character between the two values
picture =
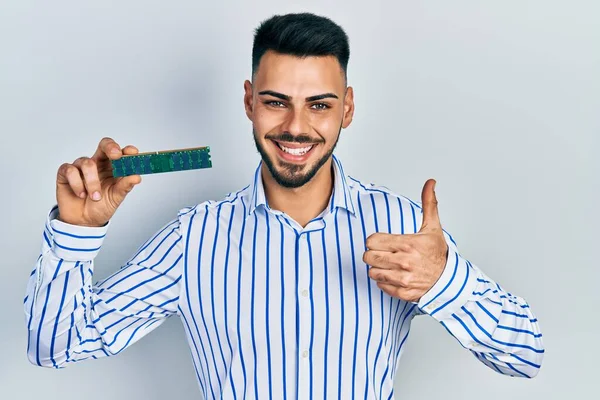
162	161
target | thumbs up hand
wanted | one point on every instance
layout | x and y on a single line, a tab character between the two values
407	266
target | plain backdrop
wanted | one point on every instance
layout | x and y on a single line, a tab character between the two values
499	101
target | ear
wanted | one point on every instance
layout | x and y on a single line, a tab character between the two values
248	99
348	107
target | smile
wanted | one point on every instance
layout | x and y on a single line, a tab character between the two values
294	152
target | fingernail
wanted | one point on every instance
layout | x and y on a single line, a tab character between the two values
82	195
114	150
96	196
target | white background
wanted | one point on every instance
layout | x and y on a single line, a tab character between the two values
499	101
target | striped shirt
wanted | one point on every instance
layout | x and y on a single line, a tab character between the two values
271	309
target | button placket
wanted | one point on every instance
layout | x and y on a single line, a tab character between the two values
304	314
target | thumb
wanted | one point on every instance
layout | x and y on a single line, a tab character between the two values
431	218
125	185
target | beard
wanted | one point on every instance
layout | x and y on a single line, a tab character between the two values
287	174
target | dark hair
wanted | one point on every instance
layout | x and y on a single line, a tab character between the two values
301	35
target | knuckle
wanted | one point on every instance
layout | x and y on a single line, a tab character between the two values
404	281
372	274
72	173
379	276
370	242
88	163
407	246
64	168
381	258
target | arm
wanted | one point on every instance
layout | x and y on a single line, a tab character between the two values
70	319
426	269
499	328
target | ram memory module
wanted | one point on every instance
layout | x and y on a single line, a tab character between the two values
162	161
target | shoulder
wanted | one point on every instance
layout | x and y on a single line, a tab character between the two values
379	193
238	199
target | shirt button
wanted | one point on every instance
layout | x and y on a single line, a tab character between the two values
305	353
305	293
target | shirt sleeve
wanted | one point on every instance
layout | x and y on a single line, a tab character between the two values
498	327
69	318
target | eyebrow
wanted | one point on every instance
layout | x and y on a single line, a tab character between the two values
288	98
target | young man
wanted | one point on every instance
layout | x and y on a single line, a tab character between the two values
301	285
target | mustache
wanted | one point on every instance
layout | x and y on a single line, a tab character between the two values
288	137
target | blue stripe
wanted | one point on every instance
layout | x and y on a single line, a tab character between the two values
456	295
142	283
213	267
408	312
482	329
75	249
296	355
78	236
47	240
486	311
510	366
252	306
447	284
312	315
189	304
195	343
369	283
57	318
525	331
268	325
357	316
37	349
514	314
389	230
341	285
326	283
283	352
393	322
225	305
239	296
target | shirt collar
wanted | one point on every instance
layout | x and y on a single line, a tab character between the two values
341	196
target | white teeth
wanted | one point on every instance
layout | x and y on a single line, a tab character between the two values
296	152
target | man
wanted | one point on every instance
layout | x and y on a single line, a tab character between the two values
301	285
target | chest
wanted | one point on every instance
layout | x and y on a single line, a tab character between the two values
262	274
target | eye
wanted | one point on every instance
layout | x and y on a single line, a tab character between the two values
274	103
319	106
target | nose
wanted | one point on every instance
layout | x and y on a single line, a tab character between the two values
296	122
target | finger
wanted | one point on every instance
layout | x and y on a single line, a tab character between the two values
69	175
393	277
89	171
389	242
399	292
107	149
379	259
130	150
431	219
390	289
126	185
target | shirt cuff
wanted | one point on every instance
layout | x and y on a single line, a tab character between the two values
74	242
452	290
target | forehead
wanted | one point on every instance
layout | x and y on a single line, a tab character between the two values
288	74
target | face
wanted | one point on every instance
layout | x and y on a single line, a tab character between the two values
298	107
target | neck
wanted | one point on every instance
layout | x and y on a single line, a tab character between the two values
304	203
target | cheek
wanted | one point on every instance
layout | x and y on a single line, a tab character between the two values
328	126
267	122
